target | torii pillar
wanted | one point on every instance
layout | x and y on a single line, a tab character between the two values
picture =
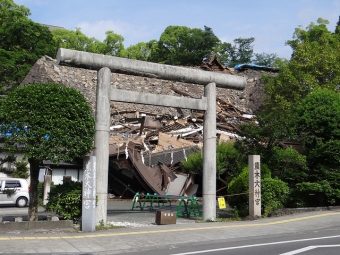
105	64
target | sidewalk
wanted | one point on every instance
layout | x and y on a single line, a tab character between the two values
148	236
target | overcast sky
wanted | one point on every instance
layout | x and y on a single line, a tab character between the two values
270	22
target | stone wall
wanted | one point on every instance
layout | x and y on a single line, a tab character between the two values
46	70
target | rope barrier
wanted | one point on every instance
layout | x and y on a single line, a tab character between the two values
221	189
244	193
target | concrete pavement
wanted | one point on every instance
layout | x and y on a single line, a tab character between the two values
157	237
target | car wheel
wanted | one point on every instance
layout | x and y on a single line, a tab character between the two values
21	202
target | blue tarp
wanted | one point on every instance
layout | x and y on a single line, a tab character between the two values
7	133
255	66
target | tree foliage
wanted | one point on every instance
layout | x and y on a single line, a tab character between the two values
47	121
274	195
76	40
289	165
113	43
180	45
265	59
65	200
193	164
315	63
240	52
22	43
318	118
302	103
229	162
139	51
274	192
317	193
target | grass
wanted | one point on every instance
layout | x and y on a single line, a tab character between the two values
226	216
101	226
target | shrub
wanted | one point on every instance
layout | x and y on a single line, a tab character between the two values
21	170
229	162
274	192
318	193
274	195
238	193
65	200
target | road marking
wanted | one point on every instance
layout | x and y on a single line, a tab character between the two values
29	238
309	248
173	230
261	244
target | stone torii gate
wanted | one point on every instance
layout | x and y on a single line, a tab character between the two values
105	64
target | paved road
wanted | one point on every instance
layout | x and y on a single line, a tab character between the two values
288	244
188	237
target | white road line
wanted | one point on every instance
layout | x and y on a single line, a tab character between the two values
308	249
257	245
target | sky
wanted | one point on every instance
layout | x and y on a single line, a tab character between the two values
270	22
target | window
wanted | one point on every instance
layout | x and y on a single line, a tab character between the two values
12	184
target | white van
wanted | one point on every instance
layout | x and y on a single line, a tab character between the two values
14	191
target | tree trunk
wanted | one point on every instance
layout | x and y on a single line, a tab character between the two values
34	176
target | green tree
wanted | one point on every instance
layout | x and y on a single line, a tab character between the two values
240	52
21	170
318	118
22	43
139	51
52	122
315	63
76	40
337	27
180	45
114	43
265	59
289	166
229	162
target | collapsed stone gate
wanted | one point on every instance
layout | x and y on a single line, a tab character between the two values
106	64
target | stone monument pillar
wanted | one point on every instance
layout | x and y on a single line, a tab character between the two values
254	185
47	188
88	218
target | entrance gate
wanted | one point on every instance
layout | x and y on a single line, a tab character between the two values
105	64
